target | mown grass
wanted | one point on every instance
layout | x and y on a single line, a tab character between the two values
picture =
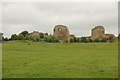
59	60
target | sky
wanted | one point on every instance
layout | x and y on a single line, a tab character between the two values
79	17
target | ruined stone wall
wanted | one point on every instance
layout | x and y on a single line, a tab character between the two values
98	32
34	34
72	36
108	36
61	32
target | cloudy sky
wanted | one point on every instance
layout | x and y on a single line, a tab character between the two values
79	17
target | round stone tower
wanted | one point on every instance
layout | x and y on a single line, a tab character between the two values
61	32
98	32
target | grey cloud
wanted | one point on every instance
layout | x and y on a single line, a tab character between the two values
79	17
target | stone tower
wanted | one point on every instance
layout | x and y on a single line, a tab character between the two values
61	32
98	32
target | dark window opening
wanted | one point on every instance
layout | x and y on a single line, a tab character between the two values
59	29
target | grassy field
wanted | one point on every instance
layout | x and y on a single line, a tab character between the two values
59	60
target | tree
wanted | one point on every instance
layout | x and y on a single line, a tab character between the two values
90	40
51	39
30	38
78	40
111	39
65	41
24	33
6	39
14	37
37	39
119	36
96	40
41	35
26	37
75	39
84	39
46	34
20	37
2	38
71	40
104	39
46	39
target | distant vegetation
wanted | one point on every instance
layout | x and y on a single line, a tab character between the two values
24	36
52	39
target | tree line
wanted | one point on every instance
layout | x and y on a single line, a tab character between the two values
89	40
52	39
24	36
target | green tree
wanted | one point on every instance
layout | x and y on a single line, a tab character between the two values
111	39
41	35
78	40
6	39
119	36
90	40
46	34
65	41
75	39
2	38
14	37
37	39
96	40
30	38
104	39
71	40
26	37
24	33
46	39
20	37
51	39
84	39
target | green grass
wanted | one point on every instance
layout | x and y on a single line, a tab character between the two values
59	60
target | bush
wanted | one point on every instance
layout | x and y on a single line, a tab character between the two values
51	39
45	39
111	39
2	38
96	40
20	37
78	40
30	38
71	40
104	39
84	39
14	37
75	39
119	36
37	39
90	40
24	33
46	34
65	41
41	35
26	37
6	39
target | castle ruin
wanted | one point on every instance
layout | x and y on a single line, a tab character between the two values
34	34
99	32
61	32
